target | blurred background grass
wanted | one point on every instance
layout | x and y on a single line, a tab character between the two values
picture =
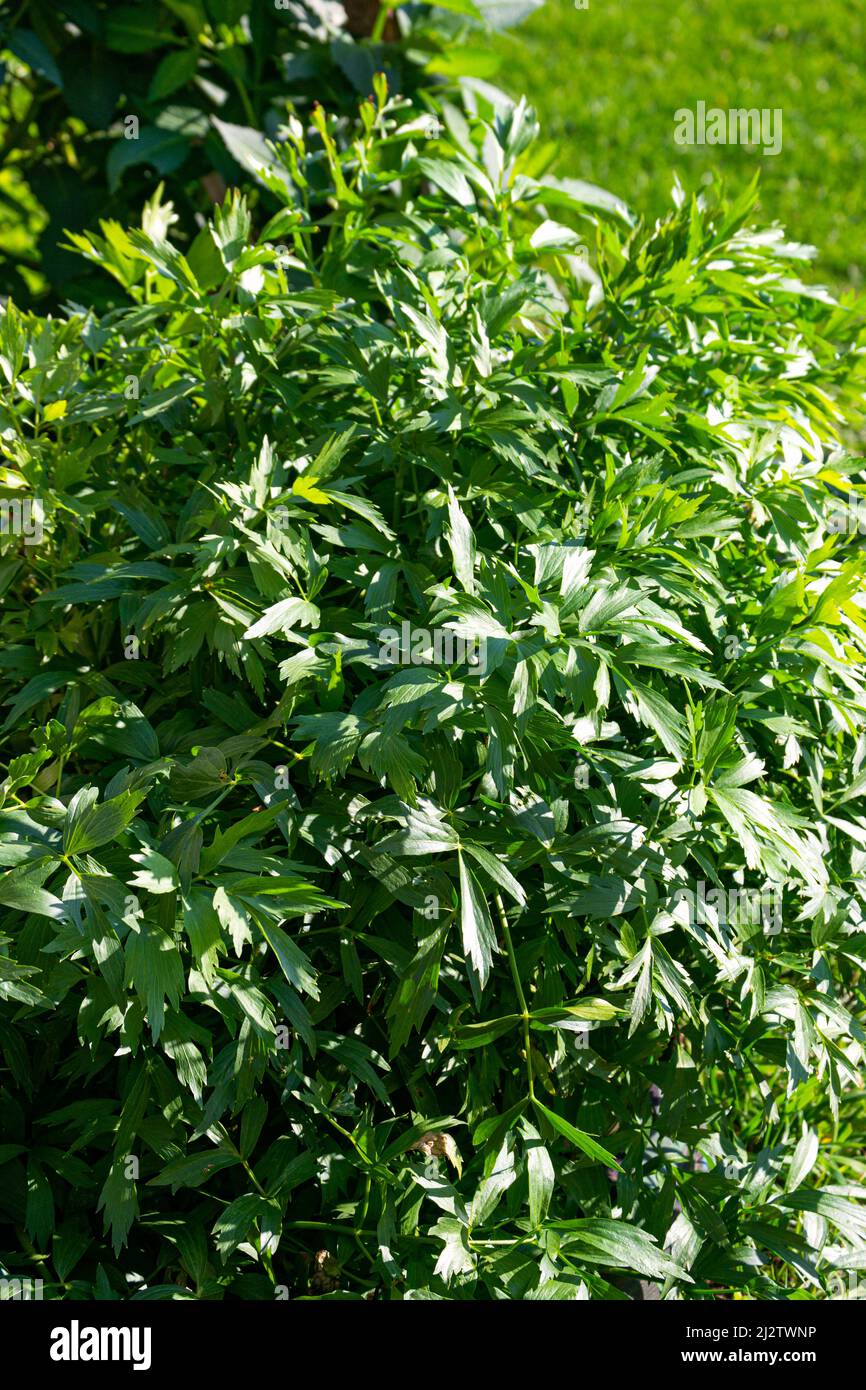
606	81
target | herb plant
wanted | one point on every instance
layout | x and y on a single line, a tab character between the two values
449	600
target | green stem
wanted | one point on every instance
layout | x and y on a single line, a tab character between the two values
381	20
521	997
244	95
69	864
252	1177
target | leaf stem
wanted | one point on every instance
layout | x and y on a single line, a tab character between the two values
521	997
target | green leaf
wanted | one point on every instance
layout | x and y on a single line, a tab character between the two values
480	1034
175	70
156	874
424	832
134	28
194	1169
618	1244
23	892
119	1201
235	1223
164	150
252	153
580	1140
803	1160
296	967
497	871
155	970
39	1212
540	1173
479	938
31	50
89	825
449	178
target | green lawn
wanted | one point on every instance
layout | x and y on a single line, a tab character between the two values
607	80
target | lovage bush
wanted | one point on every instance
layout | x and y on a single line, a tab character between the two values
432	826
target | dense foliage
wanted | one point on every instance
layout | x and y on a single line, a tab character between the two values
346	963
100	99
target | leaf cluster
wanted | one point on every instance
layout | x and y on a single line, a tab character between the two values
340	967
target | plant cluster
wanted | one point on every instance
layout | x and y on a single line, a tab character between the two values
100	99
335	970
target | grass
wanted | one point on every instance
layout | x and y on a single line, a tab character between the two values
607	80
